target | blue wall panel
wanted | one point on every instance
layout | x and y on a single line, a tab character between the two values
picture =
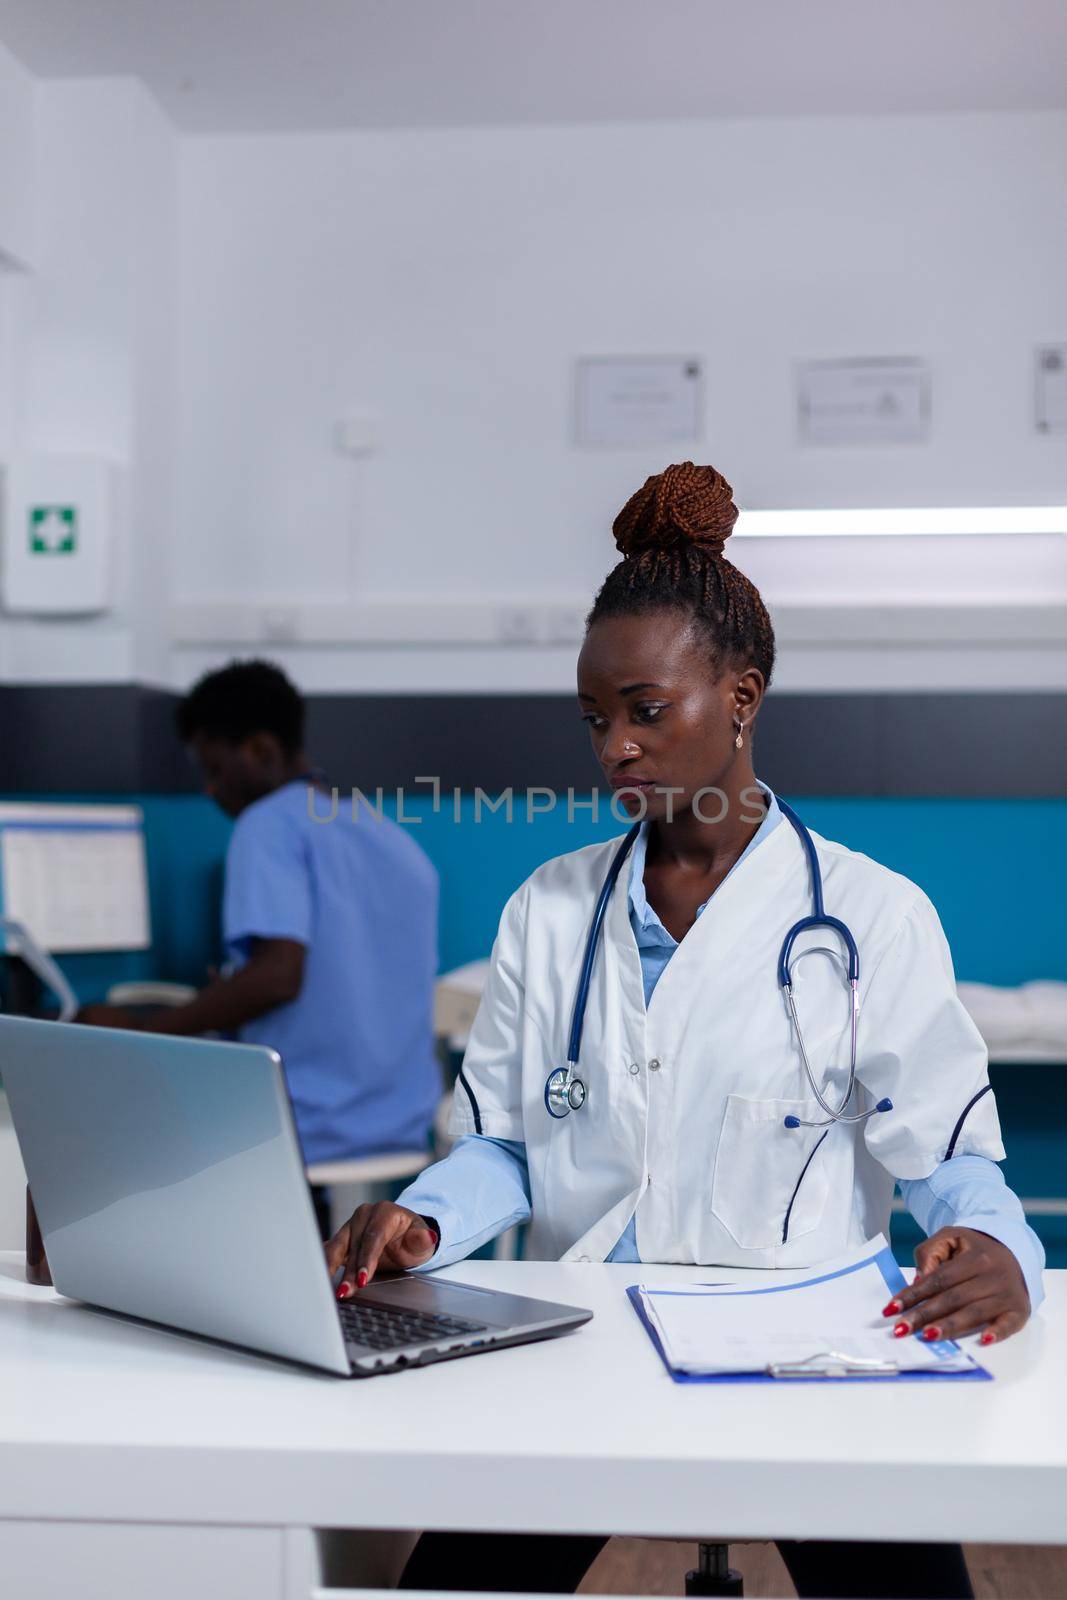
995	869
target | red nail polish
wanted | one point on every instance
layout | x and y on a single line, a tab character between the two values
931	1333
361	1278
343	1291
900	1330
988	1337
893	1309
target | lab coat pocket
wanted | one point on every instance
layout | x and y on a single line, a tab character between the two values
770	1182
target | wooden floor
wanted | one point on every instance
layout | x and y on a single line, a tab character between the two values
652	1566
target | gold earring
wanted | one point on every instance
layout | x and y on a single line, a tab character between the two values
738	742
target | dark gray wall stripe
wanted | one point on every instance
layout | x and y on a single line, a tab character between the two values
62	737
114	738
164	764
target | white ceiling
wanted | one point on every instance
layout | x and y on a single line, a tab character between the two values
258	65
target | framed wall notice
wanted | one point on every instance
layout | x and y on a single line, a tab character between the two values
863	401
638	400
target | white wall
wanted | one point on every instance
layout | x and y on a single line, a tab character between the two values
93	329
11	363
444	282
153	269
16	159
203	310
16	229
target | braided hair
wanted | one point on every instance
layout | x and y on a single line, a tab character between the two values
672	534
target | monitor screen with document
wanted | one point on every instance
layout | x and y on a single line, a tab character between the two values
75	875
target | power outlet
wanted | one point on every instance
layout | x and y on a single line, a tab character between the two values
281	624
517	625
356	435
564	625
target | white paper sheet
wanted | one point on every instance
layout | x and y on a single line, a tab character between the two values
829	1316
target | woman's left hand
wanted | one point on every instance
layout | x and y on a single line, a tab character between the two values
965	1282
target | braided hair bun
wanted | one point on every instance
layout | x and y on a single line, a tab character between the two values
683	505
672	534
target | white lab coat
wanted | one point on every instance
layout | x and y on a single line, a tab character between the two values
684	1122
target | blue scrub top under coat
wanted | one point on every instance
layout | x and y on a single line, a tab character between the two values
361	896
655	946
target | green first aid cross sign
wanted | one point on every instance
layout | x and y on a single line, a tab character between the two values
53	530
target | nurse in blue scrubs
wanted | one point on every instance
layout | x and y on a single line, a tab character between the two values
330	928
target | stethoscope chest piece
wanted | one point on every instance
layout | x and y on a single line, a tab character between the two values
564	1093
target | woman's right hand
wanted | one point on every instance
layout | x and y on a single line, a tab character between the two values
378	1235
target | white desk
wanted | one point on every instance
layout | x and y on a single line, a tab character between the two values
108	1422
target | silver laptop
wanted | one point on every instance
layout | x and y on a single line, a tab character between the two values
169	1185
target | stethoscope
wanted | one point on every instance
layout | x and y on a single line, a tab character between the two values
565	1091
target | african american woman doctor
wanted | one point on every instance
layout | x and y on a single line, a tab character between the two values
697	1125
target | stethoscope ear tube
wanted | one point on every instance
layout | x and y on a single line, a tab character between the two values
827	1122
592	940
565	1091
806	923
819	919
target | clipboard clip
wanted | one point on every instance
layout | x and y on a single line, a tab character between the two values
834	1364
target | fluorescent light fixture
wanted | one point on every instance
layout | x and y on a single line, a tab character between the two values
905	520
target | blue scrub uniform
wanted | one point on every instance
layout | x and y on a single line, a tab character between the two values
361	896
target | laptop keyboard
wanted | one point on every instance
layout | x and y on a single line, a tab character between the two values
388	1328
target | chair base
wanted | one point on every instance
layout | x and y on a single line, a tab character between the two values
714	1575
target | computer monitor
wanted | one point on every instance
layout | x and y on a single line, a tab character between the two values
74	876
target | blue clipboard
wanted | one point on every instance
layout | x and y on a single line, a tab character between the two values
886	1263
